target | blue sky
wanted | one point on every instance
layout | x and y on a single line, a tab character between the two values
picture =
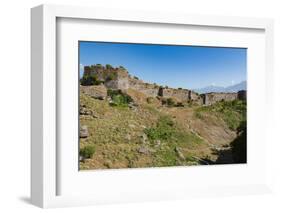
176	66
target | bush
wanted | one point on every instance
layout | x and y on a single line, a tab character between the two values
239	145
111	76
98	66
89	80
163	130
108	66
179	104
149	100
119	98
170	102
232	112
87	151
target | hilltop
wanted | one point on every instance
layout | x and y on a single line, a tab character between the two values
128	123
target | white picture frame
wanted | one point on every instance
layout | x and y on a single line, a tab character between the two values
45	154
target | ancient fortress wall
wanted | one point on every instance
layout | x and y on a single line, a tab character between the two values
119	78
150	90
119	83
211	98
179	94
113	78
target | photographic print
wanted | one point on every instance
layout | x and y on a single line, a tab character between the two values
152	105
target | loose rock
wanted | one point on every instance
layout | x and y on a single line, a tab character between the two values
179	153
84	133
143	150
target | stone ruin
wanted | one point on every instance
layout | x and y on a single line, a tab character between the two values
113	78
213	97
119	79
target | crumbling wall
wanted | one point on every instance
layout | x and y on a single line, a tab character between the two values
211	98
150	90
179	94
113	78
118	84
119	78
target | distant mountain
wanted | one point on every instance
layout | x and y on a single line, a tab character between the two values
234	88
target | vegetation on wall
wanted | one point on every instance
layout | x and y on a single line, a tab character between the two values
88	80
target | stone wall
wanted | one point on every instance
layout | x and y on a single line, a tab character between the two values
119	83
118	78
179	94
211	98
195	97
150	90
113	78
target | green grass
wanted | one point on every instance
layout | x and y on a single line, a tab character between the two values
117	134
164	129
119	98
171	136
232	112
87	151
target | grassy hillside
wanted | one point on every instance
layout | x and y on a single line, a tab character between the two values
147	134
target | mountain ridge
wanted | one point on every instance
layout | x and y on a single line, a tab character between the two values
234	88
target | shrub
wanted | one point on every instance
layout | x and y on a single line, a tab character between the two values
119	98
98	66
232	112
179	104
108	66
239	144
87	151
149	100
170	102
135	77
111	76
88	80
163	130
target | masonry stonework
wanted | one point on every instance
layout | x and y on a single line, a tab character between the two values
119	79
211	98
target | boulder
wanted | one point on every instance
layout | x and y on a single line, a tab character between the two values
84	133
179	153
157	143
143	150
143	138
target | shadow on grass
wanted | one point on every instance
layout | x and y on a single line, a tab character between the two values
236	153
